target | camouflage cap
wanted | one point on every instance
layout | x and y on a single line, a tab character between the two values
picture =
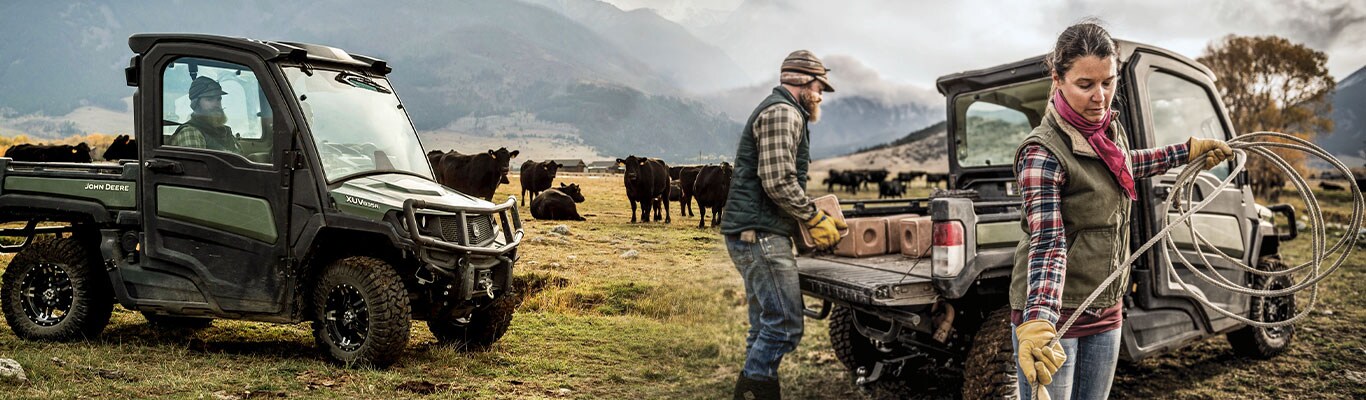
205	86
803	61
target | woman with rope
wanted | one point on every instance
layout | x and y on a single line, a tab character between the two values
1076	174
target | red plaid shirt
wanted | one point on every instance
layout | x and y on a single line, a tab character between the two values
1041	179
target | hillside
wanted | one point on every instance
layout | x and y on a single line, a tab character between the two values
1348	139
452	60
922	150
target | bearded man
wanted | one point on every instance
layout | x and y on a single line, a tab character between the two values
207	127
767	204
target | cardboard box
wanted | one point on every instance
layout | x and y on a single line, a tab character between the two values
867	237
894	231
916	236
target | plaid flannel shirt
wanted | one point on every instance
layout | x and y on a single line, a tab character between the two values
778	131
1041	179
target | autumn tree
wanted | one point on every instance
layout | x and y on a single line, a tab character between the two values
1269	83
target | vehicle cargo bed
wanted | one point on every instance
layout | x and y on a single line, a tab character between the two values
887	280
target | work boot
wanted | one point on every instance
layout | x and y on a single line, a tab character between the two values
751	389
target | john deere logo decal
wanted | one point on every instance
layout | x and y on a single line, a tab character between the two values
109	187
361	202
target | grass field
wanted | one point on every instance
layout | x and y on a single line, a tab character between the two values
666	324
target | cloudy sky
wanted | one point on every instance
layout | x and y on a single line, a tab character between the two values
914	42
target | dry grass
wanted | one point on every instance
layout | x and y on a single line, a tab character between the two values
667	324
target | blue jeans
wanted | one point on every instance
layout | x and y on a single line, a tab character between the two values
769	270
1088	371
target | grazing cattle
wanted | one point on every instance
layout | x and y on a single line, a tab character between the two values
932	179
907	177
849	180
687	177
79	153
123	148
477	175
1331	187
558	204
872	176
890	189
711	190
647	180
536	177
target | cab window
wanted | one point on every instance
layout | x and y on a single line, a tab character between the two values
215	106
1181	109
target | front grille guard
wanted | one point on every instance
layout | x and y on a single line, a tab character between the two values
511	226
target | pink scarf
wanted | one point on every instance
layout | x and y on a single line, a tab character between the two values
1095	135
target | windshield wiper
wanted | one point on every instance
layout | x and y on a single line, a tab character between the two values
361	81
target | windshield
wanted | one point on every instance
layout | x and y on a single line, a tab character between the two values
358	124
990	124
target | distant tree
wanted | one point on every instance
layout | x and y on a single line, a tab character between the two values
1269	83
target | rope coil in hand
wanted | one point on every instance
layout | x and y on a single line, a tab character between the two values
1181	196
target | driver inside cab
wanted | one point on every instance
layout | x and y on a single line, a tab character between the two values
207	127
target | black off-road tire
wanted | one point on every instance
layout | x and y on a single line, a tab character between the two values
480	329
176	322
76	273
989	371
387	317
1264	343
857	351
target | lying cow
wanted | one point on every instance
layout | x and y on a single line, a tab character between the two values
710	190
558	204
477	175
647	181
79	153
537	177
123	148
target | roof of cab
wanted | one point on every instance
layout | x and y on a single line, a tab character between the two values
268	50
1033	67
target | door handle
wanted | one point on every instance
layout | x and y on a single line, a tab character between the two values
164	166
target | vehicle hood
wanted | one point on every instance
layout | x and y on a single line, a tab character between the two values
373	196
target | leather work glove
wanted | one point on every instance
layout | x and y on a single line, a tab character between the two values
1218	150
1038	361
825	230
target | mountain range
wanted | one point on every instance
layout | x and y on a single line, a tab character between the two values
1347	141
621	82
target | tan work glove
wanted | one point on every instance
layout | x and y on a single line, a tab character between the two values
1038	361
1218	150
825	230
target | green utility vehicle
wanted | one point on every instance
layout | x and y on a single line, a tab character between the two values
902	325
325	210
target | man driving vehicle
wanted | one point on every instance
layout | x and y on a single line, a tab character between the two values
207	127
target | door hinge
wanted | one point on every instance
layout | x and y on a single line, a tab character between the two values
294	159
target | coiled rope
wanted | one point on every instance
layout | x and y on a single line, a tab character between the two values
1181	196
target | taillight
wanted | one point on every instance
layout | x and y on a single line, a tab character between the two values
947	257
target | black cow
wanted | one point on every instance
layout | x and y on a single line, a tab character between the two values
710	190
1331	187
849	180
891	189
477	175
123	148
79	153
907	177
537	177
646	180
873	176
687	177
933	179
558	203
675	191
